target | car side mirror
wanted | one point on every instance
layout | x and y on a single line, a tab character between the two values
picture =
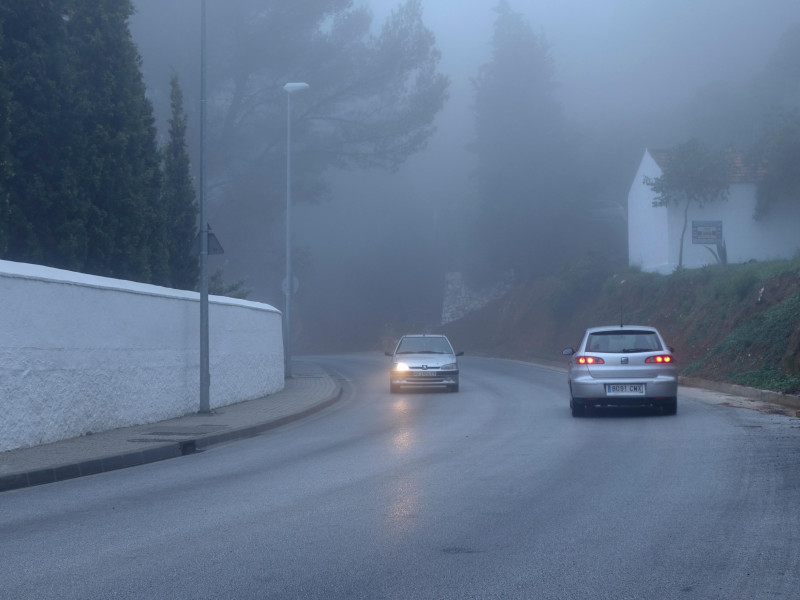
460	353
568	352
388	353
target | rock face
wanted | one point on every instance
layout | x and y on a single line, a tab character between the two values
460	298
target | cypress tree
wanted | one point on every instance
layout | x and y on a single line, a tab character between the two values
119	163
179	197
43	211
5	141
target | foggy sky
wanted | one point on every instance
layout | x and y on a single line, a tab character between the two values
626	59
629	58
622	66
612	57
620	53
614	60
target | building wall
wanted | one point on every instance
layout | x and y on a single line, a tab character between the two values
648	226
654	233
81	354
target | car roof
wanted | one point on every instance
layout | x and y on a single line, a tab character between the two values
412	335
621	328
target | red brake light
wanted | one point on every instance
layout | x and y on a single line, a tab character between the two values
660	359
590	360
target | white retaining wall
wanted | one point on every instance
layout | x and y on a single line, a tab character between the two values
81	354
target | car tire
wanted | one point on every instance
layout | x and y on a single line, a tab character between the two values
670	406
577	407
393	388
452	388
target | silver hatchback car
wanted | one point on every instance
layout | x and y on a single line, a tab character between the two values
424	361
622	366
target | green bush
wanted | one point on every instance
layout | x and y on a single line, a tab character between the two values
769	377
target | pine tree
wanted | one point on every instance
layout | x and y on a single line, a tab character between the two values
372	103
179	198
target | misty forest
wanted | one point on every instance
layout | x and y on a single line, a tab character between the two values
418	151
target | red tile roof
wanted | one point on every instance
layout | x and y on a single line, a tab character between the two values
742	171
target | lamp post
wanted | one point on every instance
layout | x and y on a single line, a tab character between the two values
205	374
289	88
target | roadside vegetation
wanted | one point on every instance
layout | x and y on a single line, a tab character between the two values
734	323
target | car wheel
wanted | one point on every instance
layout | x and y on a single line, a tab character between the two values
453	388
577	406
393	388
670	406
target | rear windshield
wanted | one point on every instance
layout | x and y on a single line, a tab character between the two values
628	341
424	345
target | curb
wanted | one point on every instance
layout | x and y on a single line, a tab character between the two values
167	450
787	400
90	467
212	439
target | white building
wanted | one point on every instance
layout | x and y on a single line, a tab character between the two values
654	233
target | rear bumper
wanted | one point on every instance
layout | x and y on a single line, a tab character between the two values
593	391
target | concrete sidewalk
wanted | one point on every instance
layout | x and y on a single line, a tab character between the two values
309	390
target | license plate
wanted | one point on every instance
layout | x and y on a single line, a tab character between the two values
625	389
426	373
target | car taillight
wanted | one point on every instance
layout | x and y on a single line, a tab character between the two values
590	360
660	359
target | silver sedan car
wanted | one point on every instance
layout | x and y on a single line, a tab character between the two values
424	361
619	365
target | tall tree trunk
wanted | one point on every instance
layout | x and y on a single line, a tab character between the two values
683	233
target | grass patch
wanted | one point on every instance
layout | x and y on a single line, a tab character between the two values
760	340
769	377
769	331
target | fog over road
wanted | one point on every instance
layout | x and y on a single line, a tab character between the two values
492	492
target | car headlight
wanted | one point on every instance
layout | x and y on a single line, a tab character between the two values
449	367
401	366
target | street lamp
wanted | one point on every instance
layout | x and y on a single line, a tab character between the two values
289	88
205	374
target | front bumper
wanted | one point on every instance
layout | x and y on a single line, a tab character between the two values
419	378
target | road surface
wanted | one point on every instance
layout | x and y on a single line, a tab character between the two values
492	492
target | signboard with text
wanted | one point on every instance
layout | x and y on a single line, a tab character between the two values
706	232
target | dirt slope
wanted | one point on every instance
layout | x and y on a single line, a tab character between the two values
737	323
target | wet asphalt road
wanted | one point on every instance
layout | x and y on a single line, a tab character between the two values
492	492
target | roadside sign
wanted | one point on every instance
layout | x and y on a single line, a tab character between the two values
706	232
214	247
